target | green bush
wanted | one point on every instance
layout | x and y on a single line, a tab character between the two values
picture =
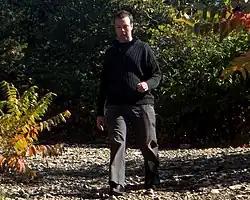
65	42
195	105
59	47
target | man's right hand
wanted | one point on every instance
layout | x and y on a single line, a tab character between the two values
100	122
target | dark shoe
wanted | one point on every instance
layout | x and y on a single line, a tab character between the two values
116	190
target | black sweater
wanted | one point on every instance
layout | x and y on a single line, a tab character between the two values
125	65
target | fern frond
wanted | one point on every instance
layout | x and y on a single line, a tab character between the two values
13	107
2	105
16	164
54	121
20	125
50	150
10	92
37	110
28	99
7	123
40	109
21	146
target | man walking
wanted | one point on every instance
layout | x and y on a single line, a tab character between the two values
130	72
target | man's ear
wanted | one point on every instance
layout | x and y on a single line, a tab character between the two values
132	26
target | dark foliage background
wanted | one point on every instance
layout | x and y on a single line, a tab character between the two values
58	45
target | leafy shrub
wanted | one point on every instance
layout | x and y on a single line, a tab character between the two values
65	42
61	44
195	106
20	123
226	17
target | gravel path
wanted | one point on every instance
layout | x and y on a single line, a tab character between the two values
82	173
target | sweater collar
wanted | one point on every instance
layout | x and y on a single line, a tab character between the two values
117	42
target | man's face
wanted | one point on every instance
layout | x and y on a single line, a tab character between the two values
123	28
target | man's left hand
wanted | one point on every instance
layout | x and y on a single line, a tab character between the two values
142	87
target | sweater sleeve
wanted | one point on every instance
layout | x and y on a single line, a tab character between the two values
154	68
103	88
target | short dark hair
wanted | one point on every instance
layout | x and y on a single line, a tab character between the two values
123	13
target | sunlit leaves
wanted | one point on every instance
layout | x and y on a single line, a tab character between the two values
239	64
191	91
20	126
217	19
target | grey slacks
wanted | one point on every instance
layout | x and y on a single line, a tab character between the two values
142	119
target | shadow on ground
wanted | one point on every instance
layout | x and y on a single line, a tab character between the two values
177	175
180	175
